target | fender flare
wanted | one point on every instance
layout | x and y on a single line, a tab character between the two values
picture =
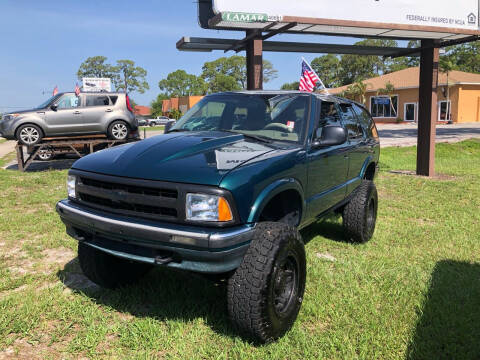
366	164
269	192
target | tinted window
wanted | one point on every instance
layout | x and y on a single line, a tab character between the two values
113	99
328	114
97	100
351	122
68	101
364	119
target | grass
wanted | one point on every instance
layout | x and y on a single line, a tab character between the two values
151	128
2	140
412	292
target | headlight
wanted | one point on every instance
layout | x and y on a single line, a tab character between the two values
203	207
71	184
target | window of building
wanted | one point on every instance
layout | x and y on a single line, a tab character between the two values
443	108
384	106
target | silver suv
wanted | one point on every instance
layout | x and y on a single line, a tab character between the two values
67	114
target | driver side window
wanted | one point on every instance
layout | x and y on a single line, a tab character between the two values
68	101
328	116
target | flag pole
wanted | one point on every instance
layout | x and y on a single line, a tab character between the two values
319	78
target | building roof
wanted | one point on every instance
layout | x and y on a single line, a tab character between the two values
142	110
410	78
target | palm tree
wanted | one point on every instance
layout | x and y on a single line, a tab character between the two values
388	90
446	66
357	90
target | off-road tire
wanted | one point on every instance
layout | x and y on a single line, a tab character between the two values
360	214
118	130
252	295
109	271
29	134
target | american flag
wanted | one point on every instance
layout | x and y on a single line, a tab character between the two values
309	78
55	91
77	90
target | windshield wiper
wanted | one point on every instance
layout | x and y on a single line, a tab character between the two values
249	136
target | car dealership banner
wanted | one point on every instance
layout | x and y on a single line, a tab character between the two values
460	14
97	84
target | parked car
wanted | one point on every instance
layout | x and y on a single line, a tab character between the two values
66	114
225	194
142	122
160	120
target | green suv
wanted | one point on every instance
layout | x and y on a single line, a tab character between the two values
225	192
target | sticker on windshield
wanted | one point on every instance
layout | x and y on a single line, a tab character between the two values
291	124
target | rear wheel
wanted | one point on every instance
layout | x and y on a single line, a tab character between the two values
265	293
360	214
29	134
118	130
107	270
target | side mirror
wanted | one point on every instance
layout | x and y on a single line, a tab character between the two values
330	136
168	126
54	107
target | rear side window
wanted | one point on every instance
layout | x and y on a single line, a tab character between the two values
113	99
351	122
97	100
365	120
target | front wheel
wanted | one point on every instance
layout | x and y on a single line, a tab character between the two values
265	293
360	214
29	134
107	270
118	130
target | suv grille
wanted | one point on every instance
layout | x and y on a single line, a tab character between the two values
129	199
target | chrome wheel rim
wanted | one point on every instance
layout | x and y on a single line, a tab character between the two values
119	131
44	154
29	135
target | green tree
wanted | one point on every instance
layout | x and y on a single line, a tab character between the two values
157	105
230	73
175	114
290	86
96	66
356	92
131	78
179	83
327	67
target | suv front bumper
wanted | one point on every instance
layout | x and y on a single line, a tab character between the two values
191	248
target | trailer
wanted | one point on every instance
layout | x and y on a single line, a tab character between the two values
78	145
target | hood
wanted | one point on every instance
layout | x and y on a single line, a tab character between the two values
192	157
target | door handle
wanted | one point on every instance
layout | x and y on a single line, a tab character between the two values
108	110
76	113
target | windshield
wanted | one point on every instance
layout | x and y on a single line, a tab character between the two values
44	104
273	117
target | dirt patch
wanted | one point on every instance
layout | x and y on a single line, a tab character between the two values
22	350
441	177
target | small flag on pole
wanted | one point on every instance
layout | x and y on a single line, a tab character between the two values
77	90
55	90
309	78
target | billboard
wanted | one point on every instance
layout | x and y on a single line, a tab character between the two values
412	15
97	84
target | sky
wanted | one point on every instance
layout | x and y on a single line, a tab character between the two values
44	42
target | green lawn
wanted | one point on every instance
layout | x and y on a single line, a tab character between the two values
412	292
151	128
2	140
